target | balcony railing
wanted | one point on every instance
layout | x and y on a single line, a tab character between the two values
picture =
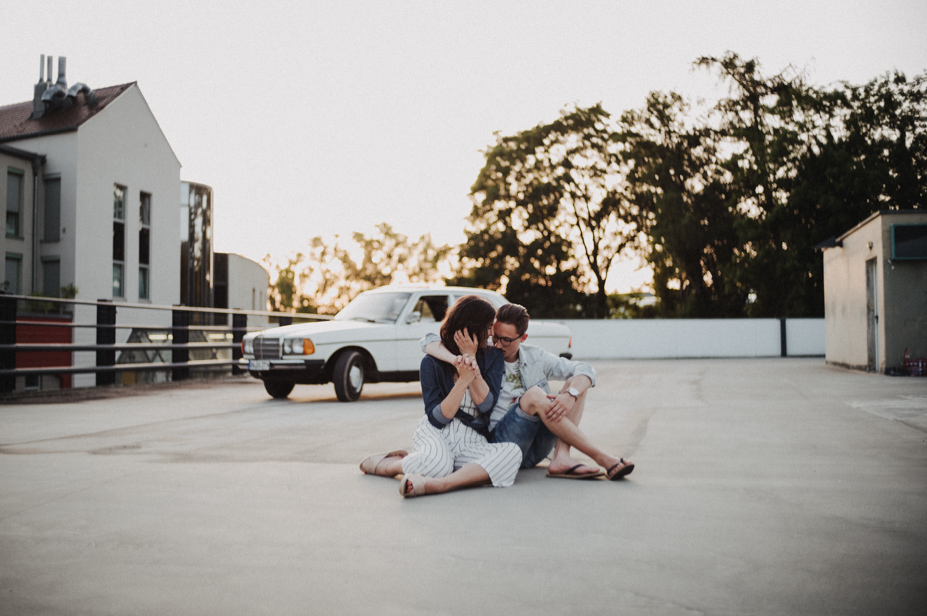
42	336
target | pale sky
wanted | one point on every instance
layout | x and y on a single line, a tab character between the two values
324	118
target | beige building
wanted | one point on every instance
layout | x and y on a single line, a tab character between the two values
875	292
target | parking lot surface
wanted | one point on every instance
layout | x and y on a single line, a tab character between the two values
763	486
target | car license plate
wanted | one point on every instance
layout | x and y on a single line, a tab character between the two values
259	364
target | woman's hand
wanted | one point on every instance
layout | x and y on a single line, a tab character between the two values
466	343
467	369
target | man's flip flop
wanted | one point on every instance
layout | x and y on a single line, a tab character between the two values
624	467
572	474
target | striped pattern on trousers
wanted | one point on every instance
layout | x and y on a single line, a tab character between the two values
438	453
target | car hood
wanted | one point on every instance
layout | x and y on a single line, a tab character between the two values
334	331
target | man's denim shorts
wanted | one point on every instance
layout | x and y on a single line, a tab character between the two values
529	433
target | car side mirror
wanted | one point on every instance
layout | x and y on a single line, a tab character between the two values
414	317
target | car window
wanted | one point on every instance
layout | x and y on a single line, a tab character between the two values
374	307
432	308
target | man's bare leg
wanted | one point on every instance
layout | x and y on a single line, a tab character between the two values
535	402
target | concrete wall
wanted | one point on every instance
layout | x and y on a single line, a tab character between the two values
693	338
904	299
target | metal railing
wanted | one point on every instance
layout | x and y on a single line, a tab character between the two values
40	332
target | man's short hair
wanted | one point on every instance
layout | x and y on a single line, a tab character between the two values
514	314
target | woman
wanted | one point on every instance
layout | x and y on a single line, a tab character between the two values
450	449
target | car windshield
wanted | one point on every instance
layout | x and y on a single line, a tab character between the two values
374	307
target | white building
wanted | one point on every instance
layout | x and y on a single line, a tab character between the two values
105	217
89	188
875	292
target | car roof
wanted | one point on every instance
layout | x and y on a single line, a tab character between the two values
426	287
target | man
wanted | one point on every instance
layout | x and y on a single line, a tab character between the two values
526	412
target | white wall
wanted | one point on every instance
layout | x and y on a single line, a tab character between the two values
248	284
693	338
845	294
124	145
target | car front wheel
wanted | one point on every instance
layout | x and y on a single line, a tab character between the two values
349	376
278	389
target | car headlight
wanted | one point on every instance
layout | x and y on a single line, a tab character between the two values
298	346
247	346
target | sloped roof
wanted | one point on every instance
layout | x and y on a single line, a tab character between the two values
16	120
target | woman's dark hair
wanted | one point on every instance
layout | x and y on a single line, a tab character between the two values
470	312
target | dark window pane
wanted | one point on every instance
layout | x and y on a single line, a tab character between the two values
52	210
143	249
119	241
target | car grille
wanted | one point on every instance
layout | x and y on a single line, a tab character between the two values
266	348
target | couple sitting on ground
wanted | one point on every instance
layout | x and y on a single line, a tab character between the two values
489	410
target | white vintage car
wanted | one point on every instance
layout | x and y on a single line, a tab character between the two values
374	339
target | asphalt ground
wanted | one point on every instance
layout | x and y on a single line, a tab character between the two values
763	486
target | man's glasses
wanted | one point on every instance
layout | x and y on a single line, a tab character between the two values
505	341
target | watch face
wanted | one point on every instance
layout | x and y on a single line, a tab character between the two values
572	391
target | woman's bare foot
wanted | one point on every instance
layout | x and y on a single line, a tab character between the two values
412	485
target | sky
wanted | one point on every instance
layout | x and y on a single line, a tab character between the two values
323	118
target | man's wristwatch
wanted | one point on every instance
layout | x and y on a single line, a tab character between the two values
572	391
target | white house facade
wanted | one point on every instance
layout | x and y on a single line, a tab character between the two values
89	189
117	179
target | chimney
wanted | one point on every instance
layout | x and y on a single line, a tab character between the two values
62	61
38	107
51	97
55	95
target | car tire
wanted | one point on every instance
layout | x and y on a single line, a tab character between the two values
349	376
278	389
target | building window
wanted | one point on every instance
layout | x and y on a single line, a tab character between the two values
33	382
12	282
51	277
119	240
144	244
52	226
14	202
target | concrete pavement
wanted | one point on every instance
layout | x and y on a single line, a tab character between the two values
763	486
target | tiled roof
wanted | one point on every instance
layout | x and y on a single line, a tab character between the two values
16	120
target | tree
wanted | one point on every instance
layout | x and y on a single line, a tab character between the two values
325	281
768	124
283	288
807	164
886	134
544	222
325	277
390	257
676	195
